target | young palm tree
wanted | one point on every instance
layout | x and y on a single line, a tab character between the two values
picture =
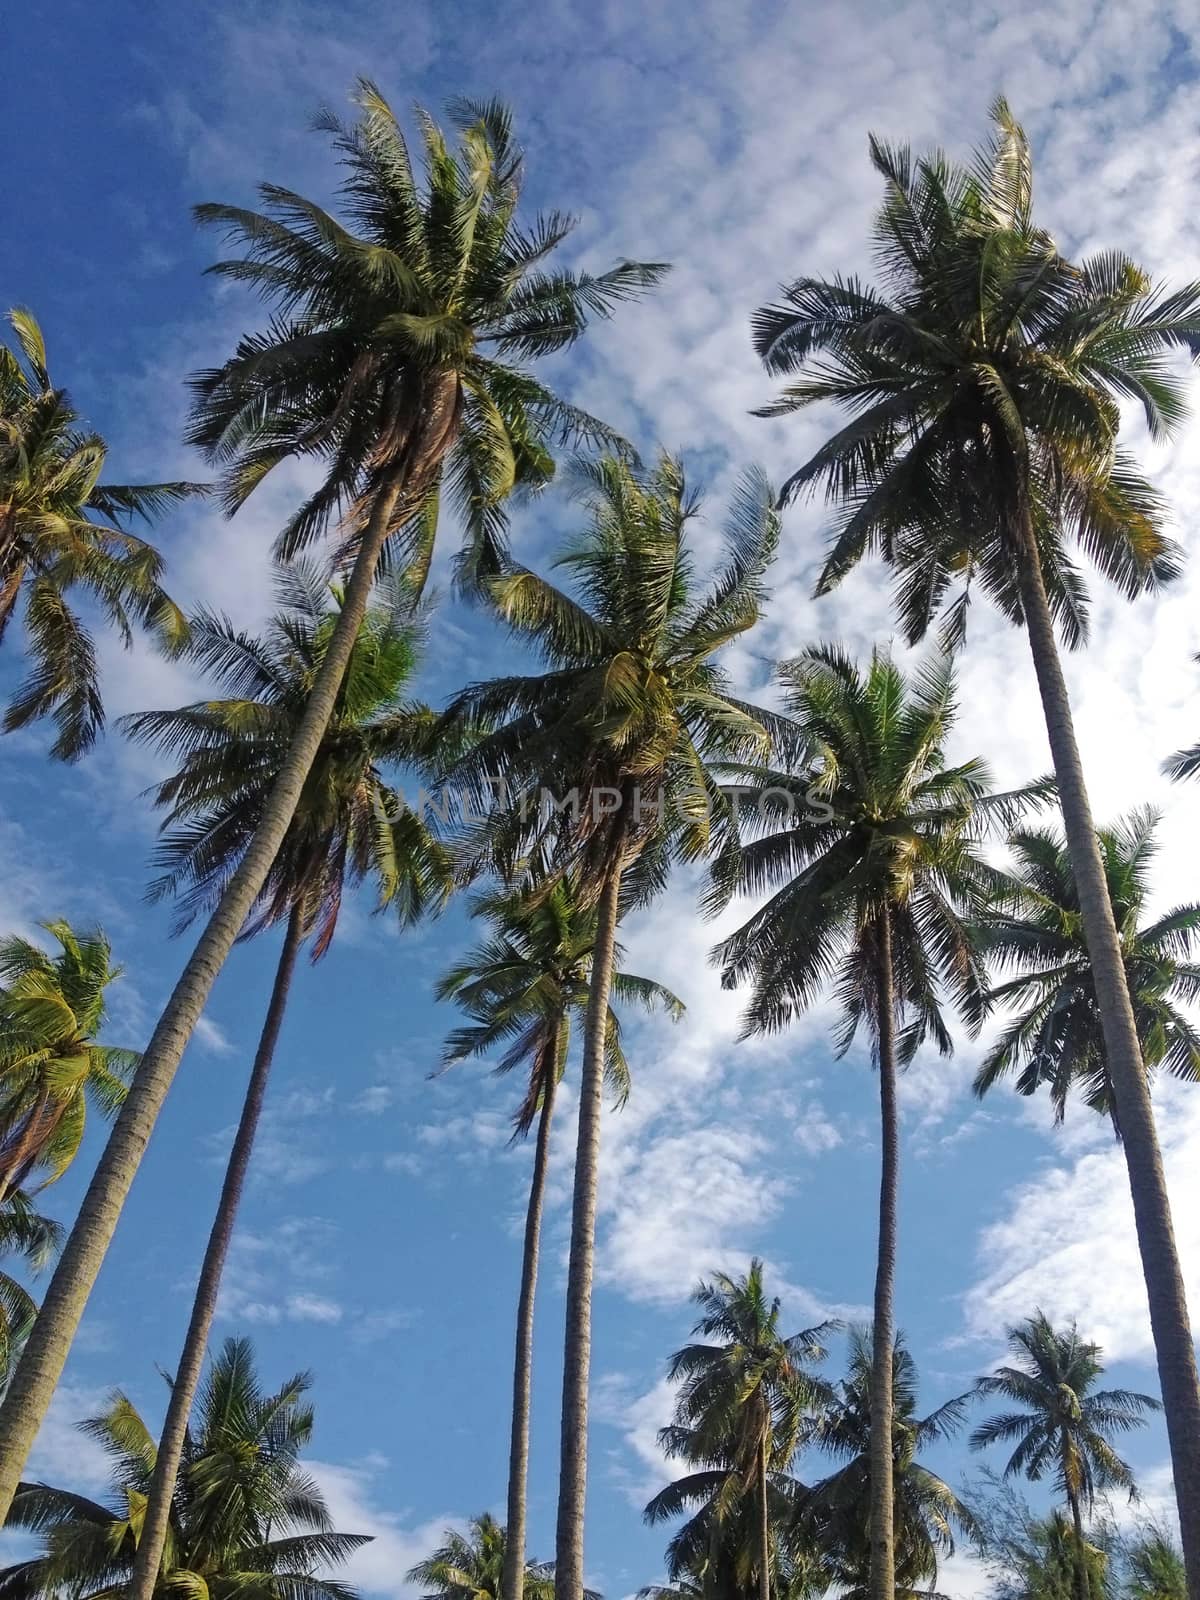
349	826
52	1007
1065	1424
471	1566
1034	931
61	529
739	1412
869	858
523	987
247	1522
983	381
36	1239
390	361
618	730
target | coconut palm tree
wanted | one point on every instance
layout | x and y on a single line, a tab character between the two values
603	758
741	1405
523	987
868	851
983	381
391	362
349	826
52	1009
25	1233
470	1566
1034	932
1065	1423
247	1522
61	530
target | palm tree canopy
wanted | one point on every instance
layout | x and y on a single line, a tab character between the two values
983	379
350	823
431	278
1184	763
61	529
523	986
1063	1428
1034	931
52	1008
24	1232
470	1566
247	1522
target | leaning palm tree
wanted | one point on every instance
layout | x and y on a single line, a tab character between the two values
868	850
1064	1426
349	826
62	530
603	758
52	1009
247	1522
983	381
391	363
742	1401
470	1566
24	1232
523	988
1033	931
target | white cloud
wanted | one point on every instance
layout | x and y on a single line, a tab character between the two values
373	1100
398	1542
213	1037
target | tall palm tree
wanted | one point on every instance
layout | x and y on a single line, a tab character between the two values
1034	932
1065	1423
390	361
613	738
26	1233
523	987
247	1522
470	1566
983	381
868	853
350	825
61	529
52	1009
740	1408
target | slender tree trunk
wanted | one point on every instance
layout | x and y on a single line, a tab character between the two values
208	1286
764	1526
1083	1587
513	1582
1147	1184
882	1585
49	1343
577	1346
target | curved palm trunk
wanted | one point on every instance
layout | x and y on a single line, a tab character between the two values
156	1524
513	1583
577	1346
46	1350
882	1577
1147	1184
764	1526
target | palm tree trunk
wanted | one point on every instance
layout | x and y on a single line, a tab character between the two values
1147	1183
1083	1587
513	1582
882	1584
577	1346
46	1350
764	1526
191	1361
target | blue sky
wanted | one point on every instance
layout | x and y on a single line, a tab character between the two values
379	1241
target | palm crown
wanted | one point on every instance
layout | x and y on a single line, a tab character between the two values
25	1233
62	529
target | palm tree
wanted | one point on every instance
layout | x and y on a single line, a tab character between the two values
1034	931
470	1566
740	1408
983	382
62	529
390	362
867	851
614	738
25	1233
1064	1425
1184	763
349	826
52	1008
523	987
247	1522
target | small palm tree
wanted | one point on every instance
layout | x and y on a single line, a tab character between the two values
392	361
1035	932
740	1409
524	987
350	825
470	1566
247	1522
1064	1426
52	1008
983	383
616	732
61	529
25	1233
